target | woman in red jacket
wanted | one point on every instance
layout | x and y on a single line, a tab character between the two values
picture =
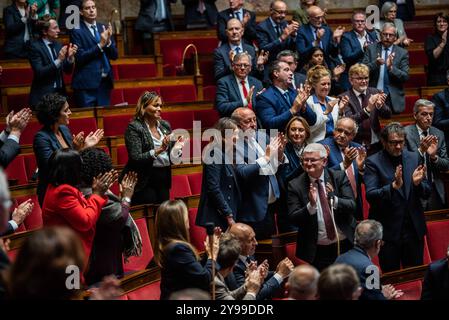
65	205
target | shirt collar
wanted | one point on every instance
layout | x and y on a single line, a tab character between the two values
315	99
365	34
238	80
357	94
233	46
90	25
321	177
46	41
420	131
282	91
274	24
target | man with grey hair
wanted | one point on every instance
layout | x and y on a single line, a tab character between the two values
395	184
441	118
389	67
291	58
321	203
303	283
367	243
238	89
429	142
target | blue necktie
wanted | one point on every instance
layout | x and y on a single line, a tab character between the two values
287	98
237	15
329	123
237	50
386	79
106	66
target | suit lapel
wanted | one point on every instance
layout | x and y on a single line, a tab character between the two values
415	135
406	173
225	52
87	30
235	86
45	51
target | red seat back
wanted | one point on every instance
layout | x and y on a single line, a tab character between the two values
16	170
365	202
426	254
412	290
195	180
136	71
290	251
180	187
116	125
180	93
140	263
16	76
30	165
438	239
197	234
117	96
34	220
208	118
83	124
17	101
30	131
179	119
209	93
151	291
409	103
131	95
122	155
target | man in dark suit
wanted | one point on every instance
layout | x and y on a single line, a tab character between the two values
248	243
429	142
395	184
317	34
365	106
248	19
18	216
280	102
354	43
321	204
49	59
441	117
19	19
367	244
275	34
291	58
436	280
224	54
347	156
389	67
238	89
200	13
93	77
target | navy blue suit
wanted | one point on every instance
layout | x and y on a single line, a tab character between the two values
8	151
335	159
228	96
273	109
441	117
192	15
87	79
222	63
305	39
44	144
15	47
224	16
436	281
399	211
360	261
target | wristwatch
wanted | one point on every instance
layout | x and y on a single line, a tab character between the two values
126	199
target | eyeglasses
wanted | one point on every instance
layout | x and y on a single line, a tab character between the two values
388	35
396	142
360	78
304	160
242	65
280	11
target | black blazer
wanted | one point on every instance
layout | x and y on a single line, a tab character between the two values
436	281
298	191
192	15
441	117
139	142
8	151
145	19
15	47
249	34
45	72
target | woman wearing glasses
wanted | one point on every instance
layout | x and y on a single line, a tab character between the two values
148	141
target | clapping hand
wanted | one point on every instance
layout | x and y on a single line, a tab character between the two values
22	211
103	182
128	184
419	174
93	138
313	194
398	181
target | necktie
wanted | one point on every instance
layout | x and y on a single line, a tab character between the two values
427	161
362	98
278	30
237	15
55	56
330	231
351	177
106	67
237	50
386	79
245	93
287	98
201	6
160	11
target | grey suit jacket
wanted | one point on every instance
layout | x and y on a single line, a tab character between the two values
222	291
397	76
228	96
442	163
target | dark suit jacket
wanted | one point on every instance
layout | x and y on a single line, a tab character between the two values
8	151
4	263
15	47
397	76
441	165
89	58
390	206
139	143
366	123
222	63
298	191
145	19
44	144
441	117
181	270
220	194
333	162
304	44
237	278
273	109
228	96
45	72
192	15
249	34
360	261
293	168
436	281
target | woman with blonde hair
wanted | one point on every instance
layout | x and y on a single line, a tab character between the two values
150	150
178	259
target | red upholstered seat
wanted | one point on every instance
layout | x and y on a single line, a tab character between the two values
412	290
290	250
180	187
30	165
416	80
83	124
209	93
136	71
34	220
140	263
180	93
208	118
16	76
151	291
122	155
116	125
197	233
195	180
131	95
16	170
409	103
117	96
418	34
17	101
438	238
418	57
179	119
364	202
30	131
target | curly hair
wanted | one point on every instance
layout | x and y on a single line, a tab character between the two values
95	162
49	108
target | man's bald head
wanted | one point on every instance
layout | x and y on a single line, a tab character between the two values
302	283
246	236
316	16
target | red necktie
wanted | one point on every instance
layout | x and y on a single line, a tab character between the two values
351	177
245	93
330	231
